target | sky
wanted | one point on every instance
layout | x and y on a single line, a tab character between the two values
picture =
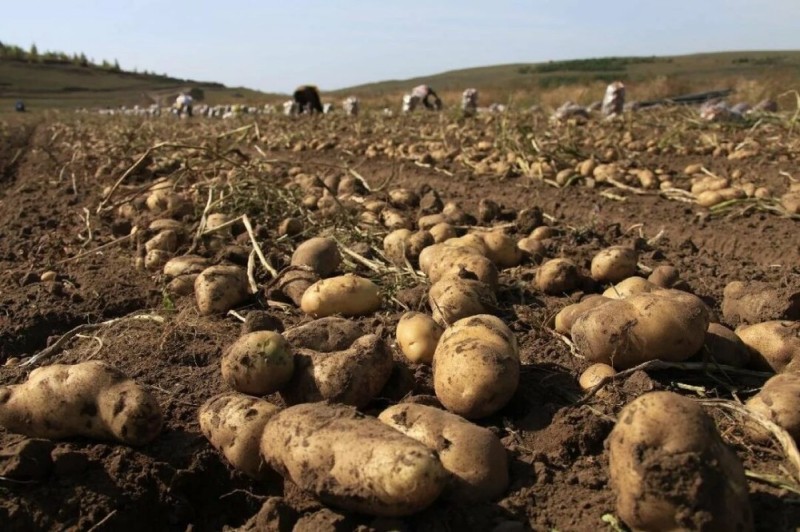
276	45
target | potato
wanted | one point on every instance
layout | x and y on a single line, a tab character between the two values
452	265
183	285
353	376
778	401
453	298
544	232
185	264
217	220
351	461
403	198
324	335
349	295
594	375
258	363
156	259
501	249
774	345
320	254
473	455
757	302
455	214
442	232
393	219
234	424
724	347
671	470
557	276
291	227
220	288
90	399
666	325
534	249
476	366
428	221
402	244
294	283
628	287
611	265
417	337
567	316
665	276
166	240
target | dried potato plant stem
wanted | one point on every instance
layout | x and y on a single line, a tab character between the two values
86	327
272	271
100	248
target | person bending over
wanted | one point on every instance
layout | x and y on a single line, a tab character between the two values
307	99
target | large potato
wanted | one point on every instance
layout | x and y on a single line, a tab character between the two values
454	298
501	249
557	276
417	336
234	424
614	264
774	345
476	366
630	286
352	461
354	376
473	455
666	325
671	470
220	288
325	334
349	295
757	302
455	262
258	363
778	401
318	253
89	399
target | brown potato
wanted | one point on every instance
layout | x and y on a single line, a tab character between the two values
630	286
611	265
233	423
567	316
324	335
724	347
454	298
774	345
594	375
220	288
756	302
534	249
349	295
442	232
473	455
258	363
417	337
557	276
779	402
318	253
671	470
166	240
665	276
185	264
501	249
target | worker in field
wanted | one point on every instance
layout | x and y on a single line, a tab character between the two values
19	106
424	94
183	103
307	99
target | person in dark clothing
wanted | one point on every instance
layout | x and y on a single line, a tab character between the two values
307	99
19	106
425	94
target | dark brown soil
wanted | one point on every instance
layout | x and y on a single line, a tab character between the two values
559	476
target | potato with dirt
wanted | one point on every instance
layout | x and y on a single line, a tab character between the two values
779	402
594	375
567	315
325	334
233	423
404	245
351	461
220	288
630	286
666	325
501	249
453	298
353	376
417	337
724	347
557	276
476	366
348	295
756	302
258	363
90	399
611	265
671	470
473	455
774	345
321	254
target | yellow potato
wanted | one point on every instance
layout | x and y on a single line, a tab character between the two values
614	264
349	295
417	336
220	288
258	363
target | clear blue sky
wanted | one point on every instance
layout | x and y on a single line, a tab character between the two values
276	45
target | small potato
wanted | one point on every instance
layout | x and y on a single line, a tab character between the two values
155	259
611	265
428	221
774	345
557	276
417	336
353	376
90	399
349	295
234	423
779	402
476	366
534	249
665	276
501	249
393	219
567	316
183	285
442	232
628	287
320	254
724	347
394	245
671	470
594	375
352	461
185	264
166	240
454	298
294	283
403	198
324	335
473	455
220	288
291	227
258	363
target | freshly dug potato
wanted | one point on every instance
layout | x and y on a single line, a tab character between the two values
501	249
756	302
666	325
349	295
442	232
220	288
185	264
632	285
351	461
155	259
473	455
318	253
567	316
90	399
611	265
417	336
403	198
166	240
451	249
294	283
234	424
218	219
665	276
544	232
557	276
594	374
533	249
393	219
452	265
476	366
454	298
428	221
325	334
723	346
403	244
258	363
671	470
353	376
774	345
291	227
183	285
778	401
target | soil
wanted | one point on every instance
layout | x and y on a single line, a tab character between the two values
559	477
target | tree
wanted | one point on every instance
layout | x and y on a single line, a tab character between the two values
33	54
116	67
82	61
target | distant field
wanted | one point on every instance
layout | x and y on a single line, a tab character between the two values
753	75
